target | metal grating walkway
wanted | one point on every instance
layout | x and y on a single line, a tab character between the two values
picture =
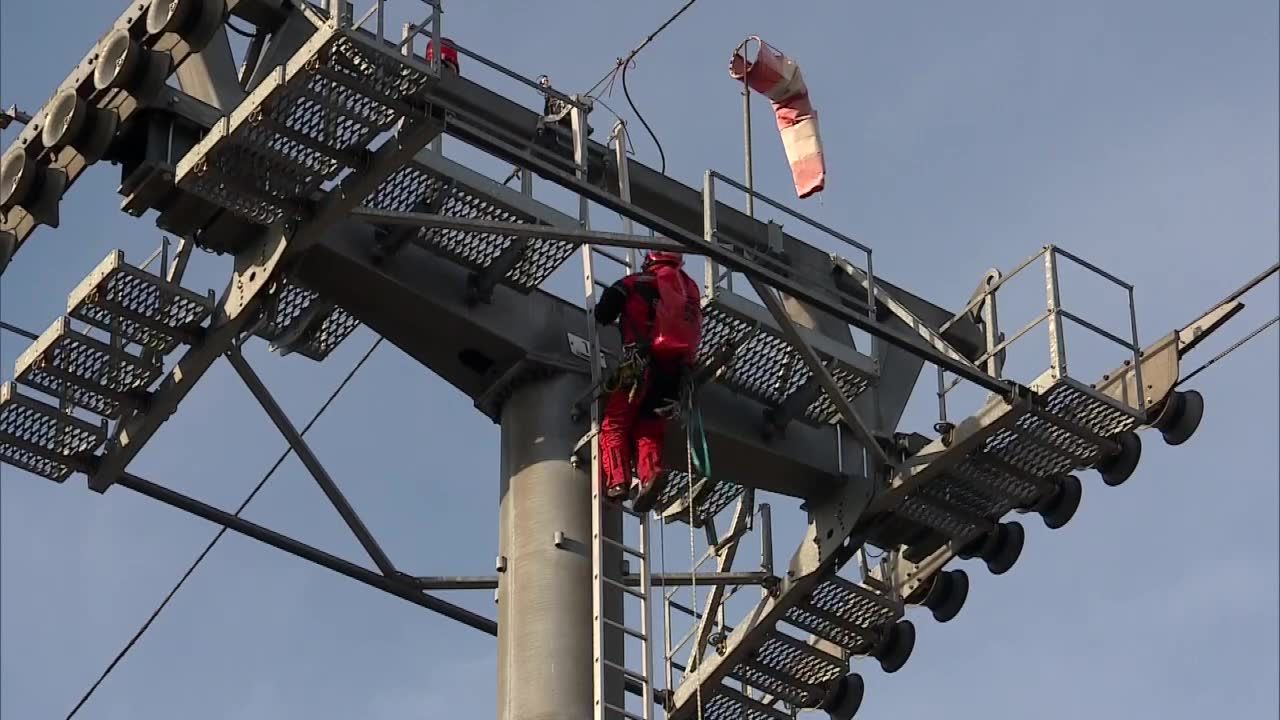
766	367
1066	430
523	265
299	320
309	122
41	439
709	498
137	306
850	615
83	371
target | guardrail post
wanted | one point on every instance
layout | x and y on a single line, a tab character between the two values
712	270
1057	344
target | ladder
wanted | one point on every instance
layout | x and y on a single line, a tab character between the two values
606	579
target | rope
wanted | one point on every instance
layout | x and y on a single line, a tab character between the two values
693	547
1229	350
222	531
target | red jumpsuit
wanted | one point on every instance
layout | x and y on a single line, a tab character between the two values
631	421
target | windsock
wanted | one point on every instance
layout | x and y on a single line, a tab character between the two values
778	78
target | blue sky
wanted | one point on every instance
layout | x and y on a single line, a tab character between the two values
1140	135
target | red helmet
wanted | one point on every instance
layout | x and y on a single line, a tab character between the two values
663	257
448	56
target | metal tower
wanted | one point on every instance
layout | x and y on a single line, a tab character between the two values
316	166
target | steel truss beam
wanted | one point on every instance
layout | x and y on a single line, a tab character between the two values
242	299
525	231
662	195
415	301
401	586
738	257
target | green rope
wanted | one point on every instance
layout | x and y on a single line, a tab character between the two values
697	438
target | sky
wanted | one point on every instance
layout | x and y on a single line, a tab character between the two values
1141	135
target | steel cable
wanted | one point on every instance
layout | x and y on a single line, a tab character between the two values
218	536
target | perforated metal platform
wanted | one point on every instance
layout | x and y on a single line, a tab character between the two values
302	127
725	703
40	439
709	499
314	327
85	372
788	668
766	367
138	306
848	614
1010	469
416	186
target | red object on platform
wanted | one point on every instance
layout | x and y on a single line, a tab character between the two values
448	56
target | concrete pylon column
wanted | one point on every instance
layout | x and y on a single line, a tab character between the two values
544	595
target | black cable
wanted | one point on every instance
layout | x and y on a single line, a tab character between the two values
222	531
622	62
662	156
241	31
1239	344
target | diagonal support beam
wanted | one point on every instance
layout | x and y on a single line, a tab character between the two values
400	586
526	231
309	459
814	363
793	405
402	234
934	339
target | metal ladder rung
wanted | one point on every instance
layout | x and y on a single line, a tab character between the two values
601	582
623	712
626	629
633	552
606	254
625	588
625	671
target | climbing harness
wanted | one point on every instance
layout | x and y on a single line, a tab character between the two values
629	374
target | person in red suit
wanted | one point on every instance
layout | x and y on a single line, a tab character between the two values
448	56
660	319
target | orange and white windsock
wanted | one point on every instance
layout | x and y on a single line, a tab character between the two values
778	78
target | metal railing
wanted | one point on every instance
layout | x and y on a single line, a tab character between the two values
342	12
710	228
1053	313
